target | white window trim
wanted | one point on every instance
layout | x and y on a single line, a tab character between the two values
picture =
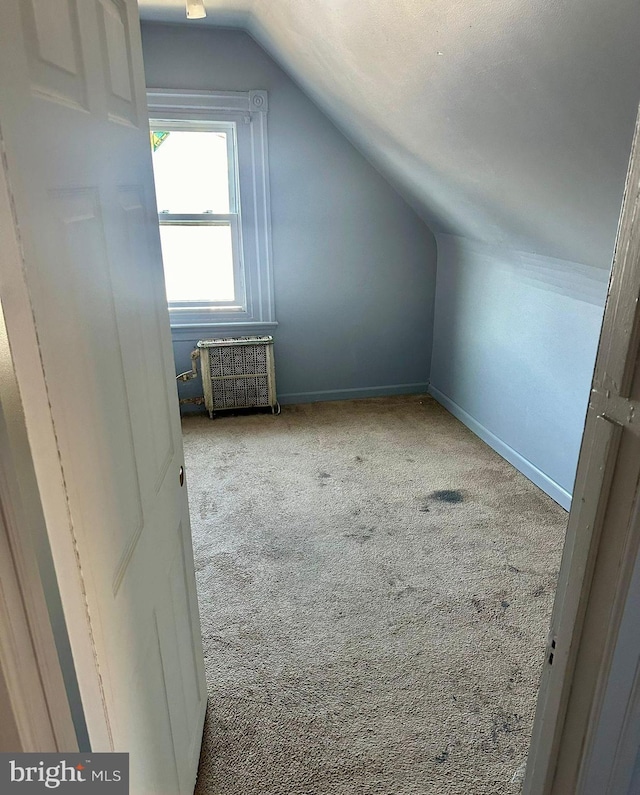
248	109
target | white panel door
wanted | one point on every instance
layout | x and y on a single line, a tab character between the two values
89	332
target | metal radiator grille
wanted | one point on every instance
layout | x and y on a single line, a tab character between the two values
238	373
241	392
238	360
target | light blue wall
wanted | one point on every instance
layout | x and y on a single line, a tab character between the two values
515	338
354	266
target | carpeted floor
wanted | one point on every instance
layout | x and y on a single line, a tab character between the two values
375	587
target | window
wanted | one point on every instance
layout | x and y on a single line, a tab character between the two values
210	169
198	209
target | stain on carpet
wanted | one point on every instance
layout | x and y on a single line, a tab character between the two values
451	496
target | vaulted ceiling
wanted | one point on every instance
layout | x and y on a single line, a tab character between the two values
504	121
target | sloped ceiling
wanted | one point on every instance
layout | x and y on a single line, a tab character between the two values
504	121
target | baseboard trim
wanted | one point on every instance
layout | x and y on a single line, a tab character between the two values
529	470
353	394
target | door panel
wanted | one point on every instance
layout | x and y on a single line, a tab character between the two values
115	47
144	362
177	646
89	330
159	775
53	50
82	296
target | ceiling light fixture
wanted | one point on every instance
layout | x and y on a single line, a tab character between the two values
196	9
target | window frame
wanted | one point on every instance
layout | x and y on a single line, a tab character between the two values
246	114
233	218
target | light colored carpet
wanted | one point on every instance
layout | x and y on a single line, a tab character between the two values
375	587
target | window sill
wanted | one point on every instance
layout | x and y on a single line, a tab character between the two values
203	331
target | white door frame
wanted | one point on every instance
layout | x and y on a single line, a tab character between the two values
602	541
33	701
33	697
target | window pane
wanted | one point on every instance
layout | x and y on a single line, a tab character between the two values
198	262
191	171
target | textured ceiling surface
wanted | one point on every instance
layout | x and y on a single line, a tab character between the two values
505	121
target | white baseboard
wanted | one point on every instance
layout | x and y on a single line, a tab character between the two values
353	394
537	476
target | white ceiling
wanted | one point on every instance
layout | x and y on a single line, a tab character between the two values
507	121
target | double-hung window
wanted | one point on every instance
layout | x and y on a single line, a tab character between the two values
196	176
211	177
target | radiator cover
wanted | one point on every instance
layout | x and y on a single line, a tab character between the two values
238	373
